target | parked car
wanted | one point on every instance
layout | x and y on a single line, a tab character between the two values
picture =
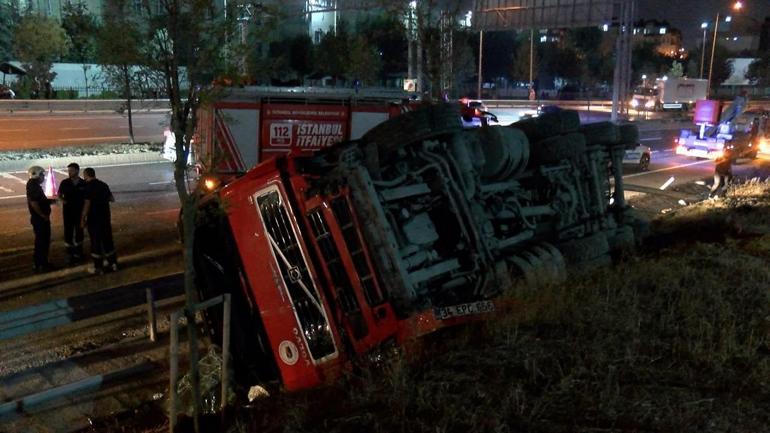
639	155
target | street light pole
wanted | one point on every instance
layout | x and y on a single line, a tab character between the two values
711	62
704	26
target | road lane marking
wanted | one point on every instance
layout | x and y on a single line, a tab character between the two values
667	183
77	128
651	138
15	130
165	182
12	196
12	177
666	169
4	189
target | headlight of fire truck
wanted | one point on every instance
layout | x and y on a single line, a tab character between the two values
764	145
209	183
649	104
634	103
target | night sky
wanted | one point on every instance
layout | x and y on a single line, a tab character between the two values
687	15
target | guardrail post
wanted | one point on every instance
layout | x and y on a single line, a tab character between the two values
226	306
151	315
173	371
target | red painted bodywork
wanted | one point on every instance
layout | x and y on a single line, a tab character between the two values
267	289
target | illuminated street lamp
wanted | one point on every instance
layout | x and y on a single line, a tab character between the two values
738	5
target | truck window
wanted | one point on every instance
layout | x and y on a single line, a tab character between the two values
340	279
294	271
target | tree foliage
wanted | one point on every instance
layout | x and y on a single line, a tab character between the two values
676	70
759	70
521	59
723	67
387	35
9	17
82	29
120	51
364	61
331	54
38	42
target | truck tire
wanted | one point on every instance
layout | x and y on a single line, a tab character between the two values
622	241
585	249
563	147
538	266
549	125
412	127
506	151
601	133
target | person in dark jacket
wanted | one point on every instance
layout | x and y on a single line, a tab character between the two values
40	217
96	216
723	173
71	192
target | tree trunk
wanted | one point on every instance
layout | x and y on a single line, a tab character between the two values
127	82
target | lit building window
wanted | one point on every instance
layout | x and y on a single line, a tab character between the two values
662	30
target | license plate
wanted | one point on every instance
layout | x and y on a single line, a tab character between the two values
480	307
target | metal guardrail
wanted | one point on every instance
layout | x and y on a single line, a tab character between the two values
79	105
514	103
52	314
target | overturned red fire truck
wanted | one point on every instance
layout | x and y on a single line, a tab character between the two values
417	225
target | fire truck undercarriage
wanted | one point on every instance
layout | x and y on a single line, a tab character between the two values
419	221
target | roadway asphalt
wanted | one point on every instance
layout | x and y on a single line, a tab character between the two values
143	215
146	206
20	131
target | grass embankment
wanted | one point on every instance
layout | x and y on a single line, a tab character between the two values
676	339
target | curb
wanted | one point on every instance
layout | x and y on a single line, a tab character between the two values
61	162
83	269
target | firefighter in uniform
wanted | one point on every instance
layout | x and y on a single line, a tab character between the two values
71	191
96	217
40	217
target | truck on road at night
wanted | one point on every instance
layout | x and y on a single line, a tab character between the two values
730	130
418	224
669	94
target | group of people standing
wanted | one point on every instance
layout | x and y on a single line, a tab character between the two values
85	205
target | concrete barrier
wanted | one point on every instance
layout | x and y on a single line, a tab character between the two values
79	105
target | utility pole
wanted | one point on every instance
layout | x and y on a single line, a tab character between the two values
711	62
620	81
481	55
704	26
531	55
